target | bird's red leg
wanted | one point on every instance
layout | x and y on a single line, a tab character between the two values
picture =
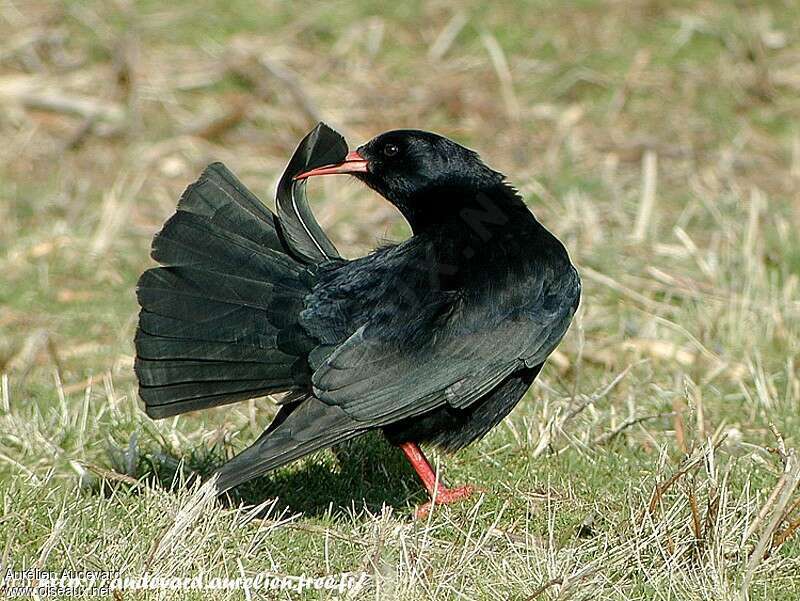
440	495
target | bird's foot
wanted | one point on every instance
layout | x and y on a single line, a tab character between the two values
444	496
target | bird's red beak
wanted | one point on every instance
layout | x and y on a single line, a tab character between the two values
353	163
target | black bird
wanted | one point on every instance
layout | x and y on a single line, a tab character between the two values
433	340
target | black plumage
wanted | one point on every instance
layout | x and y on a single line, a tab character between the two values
433	340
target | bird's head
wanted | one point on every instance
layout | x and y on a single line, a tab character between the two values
423	174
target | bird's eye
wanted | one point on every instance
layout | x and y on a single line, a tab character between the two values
390	150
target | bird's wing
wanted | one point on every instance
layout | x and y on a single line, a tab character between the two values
380	376
303	235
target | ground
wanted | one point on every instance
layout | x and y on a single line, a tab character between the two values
653	459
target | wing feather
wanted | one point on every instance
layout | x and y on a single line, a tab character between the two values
379	377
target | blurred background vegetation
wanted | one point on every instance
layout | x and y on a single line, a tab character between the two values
659	140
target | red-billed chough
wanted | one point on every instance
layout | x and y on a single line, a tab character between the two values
433	340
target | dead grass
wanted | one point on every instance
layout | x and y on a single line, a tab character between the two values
655	458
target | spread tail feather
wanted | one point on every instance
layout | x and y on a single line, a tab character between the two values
218	319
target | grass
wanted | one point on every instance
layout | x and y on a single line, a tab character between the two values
643	463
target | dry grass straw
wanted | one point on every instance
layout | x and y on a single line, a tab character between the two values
665	165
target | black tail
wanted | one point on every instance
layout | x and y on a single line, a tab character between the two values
218	320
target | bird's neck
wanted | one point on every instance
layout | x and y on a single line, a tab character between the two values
474	213
484	231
